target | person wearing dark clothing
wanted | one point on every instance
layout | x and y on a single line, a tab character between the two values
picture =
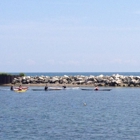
64	86
46	87
11	87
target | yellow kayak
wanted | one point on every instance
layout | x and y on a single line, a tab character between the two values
21	90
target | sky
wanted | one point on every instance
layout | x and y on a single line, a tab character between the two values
69	36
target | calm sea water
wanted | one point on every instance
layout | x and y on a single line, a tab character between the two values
78	73
63	115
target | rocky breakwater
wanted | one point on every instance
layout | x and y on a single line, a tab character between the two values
101	80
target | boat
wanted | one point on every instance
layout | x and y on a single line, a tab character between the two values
38	89
89	89
47	89
74	88
51	88
20	90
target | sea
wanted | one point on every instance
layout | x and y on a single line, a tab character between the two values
70	114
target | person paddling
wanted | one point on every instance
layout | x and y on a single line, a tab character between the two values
11	87
96	88
64	86
20	87
46	87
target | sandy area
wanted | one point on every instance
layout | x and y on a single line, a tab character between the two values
50	85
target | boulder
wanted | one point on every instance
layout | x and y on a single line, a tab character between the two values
54	80
80	82
131	85
89	82
65	81
101	84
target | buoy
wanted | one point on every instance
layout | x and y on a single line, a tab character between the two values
84	104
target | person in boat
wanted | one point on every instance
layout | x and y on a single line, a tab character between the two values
96	88
64	86
46	87
20	87
12	88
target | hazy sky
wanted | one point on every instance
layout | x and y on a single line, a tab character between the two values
69	35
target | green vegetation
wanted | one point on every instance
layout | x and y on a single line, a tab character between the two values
5	74
21	74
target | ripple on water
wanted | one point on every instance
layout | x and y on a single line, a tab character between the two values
61	115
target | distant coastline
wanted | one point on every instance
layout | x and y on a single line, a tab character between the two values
76	73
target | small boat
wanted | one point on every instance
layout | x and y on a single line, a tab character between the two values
20	90
47	89
38	89
89	89
55	88
72	88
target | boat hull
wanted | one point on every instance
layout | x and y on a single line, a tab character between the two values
20	91
22	88
96	90
49	89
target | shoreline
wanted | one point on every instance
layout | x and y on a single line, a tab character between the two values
49	85
67	85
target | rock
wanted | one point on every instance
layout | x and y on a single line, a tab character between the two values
23	78
125	85
101	76
101	80
54	80
80	82
101	84
131	85
79	79
91	78
89	82
65	81
137	85
118	82
66	76
40	78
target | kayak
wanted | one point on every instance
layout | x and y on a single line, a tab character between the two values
22	88
18	90
47	89
74	88
55	88
95	89
38	89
